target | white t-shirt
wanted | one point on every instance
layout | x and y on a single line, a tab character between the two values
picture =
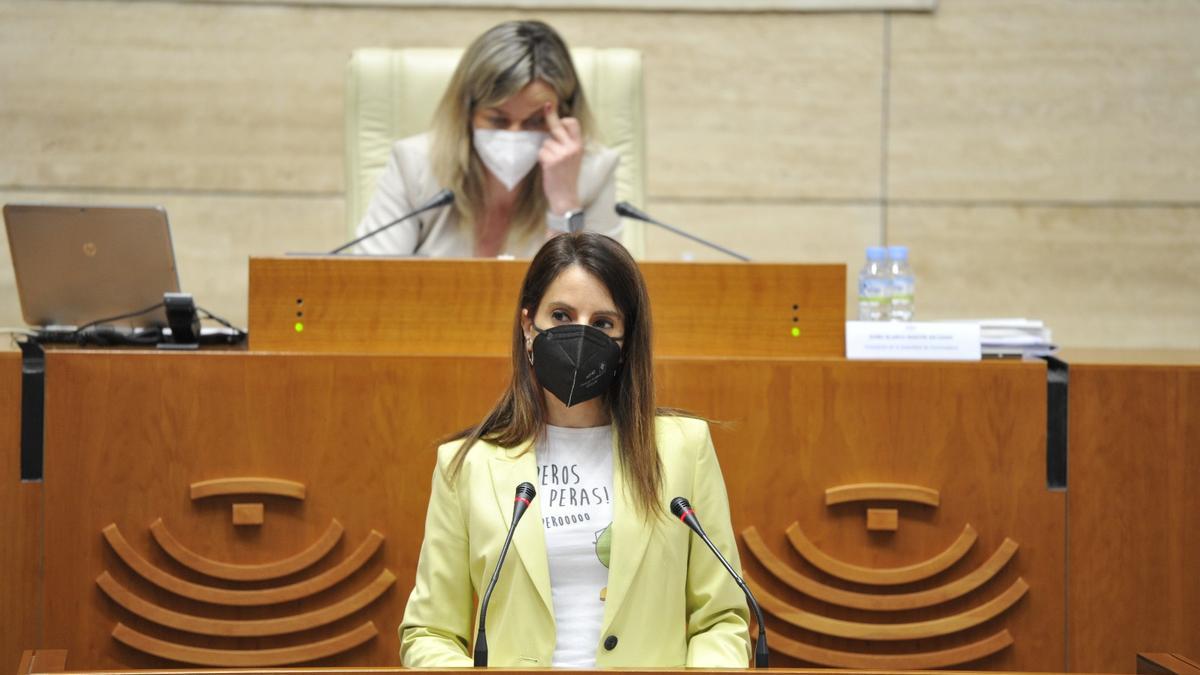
575	476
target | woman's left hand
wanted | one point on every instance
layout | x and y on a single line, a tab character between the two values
560	157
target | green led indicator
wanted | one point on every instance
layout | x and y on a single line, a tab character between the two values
300	327
795	331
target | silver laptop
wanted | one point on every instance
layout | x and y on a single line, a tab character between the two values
78	264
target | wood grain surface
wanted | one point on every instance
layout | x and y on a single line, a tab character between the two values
200	625
254	597
247	485
970	432
359	433
20	523
856	630
883	520
130	432
42	661
1135	510
755	546
954	656
1160	663
396	670
275	569
246	658
420	306
885	492
882	576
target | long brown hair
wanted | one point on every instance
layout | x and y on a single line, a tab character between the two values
520	415
497	65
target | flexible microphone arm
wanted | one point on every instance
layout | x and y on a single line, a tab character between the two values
683	511
628	210
525	495
439	200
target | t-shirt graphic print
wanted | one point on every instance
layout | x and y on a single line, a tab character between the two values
575	476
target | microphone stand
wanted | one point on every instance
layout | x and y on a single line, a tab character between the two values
440	199
683	510
627	210
525	494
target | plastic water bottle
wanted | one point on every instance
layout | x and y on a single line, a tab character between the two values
903	284
874	286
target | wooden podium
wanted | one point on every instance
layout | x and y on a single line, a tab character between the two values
891	516
29	666
374	305
254	509
31	657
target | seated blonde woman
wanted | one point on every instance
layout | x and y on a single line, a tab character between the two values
510	138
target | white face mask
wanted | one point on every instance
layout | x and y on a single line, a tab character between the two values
509	155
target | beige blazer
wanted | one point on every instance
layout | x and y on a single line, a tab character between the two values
408	182
669	602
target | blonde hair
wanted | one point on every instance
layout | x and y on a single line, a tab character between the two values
497	65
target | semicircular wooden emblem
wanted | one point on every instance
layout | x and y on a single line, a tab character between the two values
242	598
880	591
875	601
245	658
222	616
889	576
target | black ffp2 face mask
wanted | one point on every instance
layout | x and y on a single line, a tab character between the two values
575	362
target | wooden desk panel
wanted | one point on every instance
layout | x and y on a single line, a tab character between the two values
1131	357
395	670
420	306
973	432
130	431
1166	664
20	523
1134	512
1133	460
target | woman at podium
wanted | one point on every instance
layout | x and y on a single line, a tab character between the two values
599	574
510	139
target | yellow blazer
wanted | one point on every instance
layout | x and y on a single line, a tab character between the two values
669	601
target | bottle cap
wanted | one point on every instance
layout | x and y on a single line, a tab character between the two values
876	253
898	252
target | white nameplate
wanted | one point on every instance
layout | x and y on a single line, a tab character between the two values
912	341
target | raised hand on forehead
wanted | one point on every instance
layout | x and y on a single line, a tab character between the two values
560	157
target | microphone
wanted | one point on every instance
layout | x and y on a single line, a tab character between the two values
440	199
683	511
525	495
628	210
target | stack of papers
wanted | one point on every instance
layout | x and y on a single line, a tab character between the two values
1014	337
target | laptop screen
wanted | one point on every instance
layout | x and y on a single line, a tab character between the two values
78	264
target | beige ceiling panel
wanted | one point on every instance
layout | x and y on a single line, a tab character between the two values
1099	277
191	96
248	98
1046	100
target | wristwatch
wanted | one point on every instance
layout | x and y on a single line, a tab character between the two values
571	221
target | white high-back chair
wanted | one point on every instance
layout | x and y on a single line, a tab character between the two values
392	93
